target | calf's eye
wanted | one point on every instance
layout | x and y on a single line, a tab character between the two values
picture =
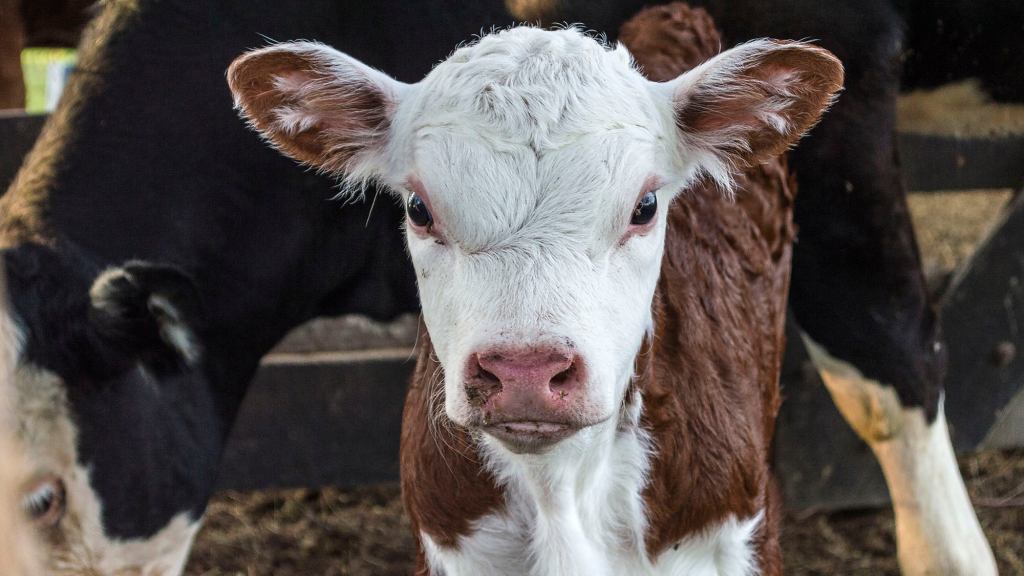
645	209
416	208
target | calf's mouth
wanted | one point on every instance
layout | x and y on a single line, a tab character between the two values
529	436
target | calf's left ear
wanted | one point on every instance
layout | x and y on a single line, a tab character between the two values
749	104
315	104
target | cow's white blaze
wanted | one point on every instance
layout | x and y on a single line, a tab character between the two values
78	543
19	551
532	170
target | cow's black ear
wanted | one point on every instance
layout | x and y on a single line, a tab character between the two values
151	311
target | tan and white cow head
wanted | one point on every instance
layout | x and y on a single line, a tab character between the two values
536	167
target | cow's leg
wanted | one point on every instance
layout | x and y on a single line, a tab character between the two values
936	529
859	295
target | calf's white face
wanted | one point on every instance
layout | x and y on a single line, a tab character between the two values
537	168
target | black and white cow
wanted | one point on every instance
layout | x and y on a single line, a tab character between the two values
145	158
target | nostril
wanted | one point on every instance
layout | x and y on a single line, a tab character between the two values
478	373
487	377
480	383
564	377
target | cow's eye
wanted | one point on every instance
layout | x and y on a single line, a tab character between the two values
416	208
44	503
645	209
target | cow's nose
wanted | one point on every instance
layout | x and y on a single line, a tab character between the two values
540	374
531	368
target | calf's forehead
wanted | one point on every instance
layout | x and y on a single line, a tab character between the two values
524	86
487	196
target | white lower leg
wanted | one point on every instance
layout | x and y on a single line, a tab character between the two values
936	528
937	531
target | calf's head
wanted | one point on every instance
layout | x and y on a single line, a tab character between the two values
536	167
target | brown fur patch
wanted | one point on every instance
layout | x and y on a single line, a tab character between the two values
444	485
670	39
710	388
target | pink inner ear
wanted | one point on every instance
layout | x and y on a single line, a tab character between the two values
292	116
779	78
292	81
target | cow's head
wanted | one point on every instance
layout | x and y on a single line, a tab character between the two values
74	337
536	167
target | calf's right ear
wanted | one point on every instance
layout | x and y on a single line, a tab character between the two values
315	104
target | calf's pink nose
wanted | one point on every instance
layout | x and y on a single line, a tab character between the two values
532	368
538	383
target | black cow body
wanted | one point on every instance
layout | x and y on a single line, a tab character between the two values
952	40
147	159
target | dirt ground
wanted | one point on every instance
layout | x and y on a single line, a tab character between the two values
363	531
862	543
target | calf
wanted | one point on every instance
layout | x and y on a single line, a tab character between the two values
591	397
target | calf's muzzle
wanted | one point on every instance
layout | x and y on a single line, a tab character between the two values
526	397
